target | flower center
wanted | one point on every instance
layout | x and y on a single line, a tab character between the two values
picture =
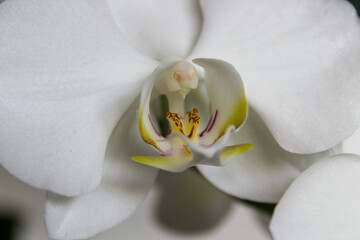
180	144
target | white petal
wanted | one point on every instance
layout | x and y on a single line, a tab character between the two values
227	99
146	123
299	63
264	172
162	29
323	203
66	76
124	185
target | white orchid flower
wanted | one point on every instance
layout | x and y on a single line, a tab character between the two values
71	74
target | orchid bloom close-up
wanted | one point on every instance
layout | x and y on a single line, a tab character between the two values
97	97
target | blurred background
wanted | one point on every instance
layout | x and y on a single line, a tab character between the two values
179	206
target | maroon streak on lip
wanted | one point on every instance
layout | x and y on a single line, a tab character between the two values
191	132
153	126
216	113
207	126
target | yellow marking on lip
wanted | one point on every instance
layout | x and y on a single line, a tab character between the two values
236	117
231	152
175	122
144	134
177	162
191	121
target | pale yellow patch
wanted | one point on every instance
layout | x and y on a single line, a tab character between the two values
236	117
146	135
231	152
177	162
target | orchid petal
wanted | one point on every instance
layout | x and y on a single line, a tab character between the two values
299	62
161	29
146	125
322	203
67	75
227	99
122	189
264	172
